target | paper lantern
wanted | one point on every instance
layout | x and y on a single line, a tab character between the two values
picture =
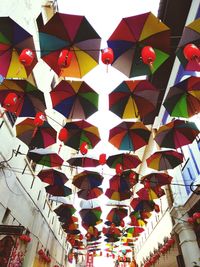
84	148
191	52
26	57
118	169
10	100
65	58
190	220
107	56
39	119
148	55
102	159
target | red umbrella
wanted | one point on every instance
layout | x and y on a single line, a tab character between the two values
156	179
48	159
58	190
81	131
74	99
40	137
127	160
164	160
84	162
176	134
52	177
129	135
87	180
90	193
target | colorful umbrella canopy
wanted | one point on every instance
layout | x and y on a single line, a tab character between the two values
87	180
191	34
36	137
137	218
116	215
14	39
134	231
129	135
121	182
131	35
69	220
127	160
52	177
183	99
48	159
155	179
164	160
74	99
176	134
134	99
81	131
58	190
74	33
91	217
149	194
90	193
119	195
84	162
142	205
65	210
30	100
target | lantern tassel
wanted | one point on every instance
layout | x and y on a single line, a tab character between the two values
60	146
34	132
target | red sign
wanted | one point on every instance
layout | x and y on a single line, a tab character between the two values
89	260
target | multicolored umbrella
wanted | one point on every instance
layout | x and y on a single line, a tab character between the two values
176	134
164	160
81	131
116	215
91	217
131	35
69	220
142	205
134	231
90	193
127	160
191	34
48	159
74	99
183	99
134	99
121	182
52	177
36	137
129	135
58	190
84	162
30	100
87	180
14	39
65	210
118	195
137	219
74	33
149	193
155	179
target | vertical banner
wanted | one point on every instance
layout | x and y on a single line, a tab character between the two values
89	259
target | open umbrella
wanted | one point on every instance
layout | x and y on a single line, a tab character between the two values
142	205
74	100
14	39
149	193
164	160
122	182
81	131
155	179
87	180
183	99
91	217
84	162
129	135
72	33
40	137
69	220
190	35
52	177
58	190
134	231
137	218
127	160
90	193
116	215
176	134
119	195
30	100
65	210
134	99
48	159
131	35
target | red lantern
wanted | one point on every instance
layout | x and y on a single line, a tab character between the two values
191	52
190	220
156	208
39	119
84	148
65	58
10	100
80	237
118	169
63	135
171	241
148	55
26	57
107	56
102	159
196	216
